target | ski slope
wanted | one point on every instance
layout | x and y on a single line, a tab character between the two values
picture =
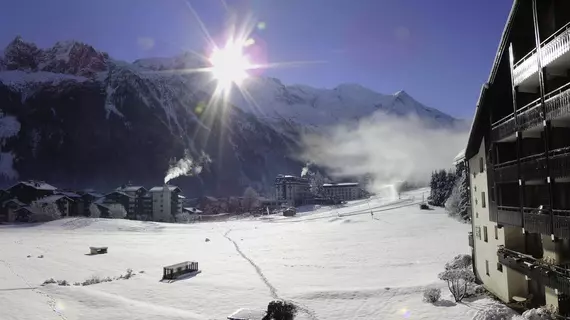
335	263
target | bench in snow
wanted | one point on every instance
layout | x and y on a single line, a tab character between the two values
174	271
98	250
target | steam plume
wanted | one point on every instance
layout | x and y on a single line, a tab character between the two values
187	166
386	148
305	169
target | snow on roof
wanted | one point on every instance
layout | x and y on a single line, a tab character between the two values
459	157
129	188
119	192
94	194
342	184
247	314
193	210
16	201
52	198
32	210
69	194
39	185
161	188
181	196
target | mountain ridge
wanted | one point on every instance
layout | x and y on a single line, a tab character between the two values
152	109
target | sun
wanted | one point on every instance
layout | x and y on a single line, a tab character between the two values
229	65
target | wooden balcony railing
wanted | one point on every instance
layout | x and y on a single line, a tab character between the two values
537	221
550	275
503	128
510	216
552	48
533	167
561	223
506	172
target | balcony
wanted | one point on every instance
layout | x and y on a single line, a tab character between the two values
504	128
554	52
506	172
533	167
470	238
550	275
537	221
510	216
561	223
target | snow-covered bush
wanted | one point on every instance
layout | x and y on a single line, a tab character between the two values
117	211
536	314
474	290
452	203
457	281
49	281
44	212
94	211
432	295
495	312
460	261
250	199
128	275
280	310
62	283
95	280
183	217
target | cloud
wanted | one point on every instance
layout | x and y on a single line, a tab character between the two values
389	149
146	43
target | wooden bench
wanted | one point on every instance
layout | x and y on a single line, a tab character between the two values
98	250
174	271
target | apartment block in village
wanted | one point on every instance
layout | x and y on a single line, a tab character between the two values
518	155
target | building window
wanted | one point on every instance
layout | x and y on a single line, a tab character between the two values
499	267
476	214
481	165
485	236
483	204
492	195
478	232
496	233
487	267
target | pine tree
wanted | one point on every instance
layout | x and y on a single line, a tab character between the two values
464	202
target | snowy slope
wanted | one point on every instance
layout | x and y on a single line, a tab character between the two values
334	263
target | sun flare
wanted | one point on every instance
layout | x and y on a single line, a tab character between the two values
229	65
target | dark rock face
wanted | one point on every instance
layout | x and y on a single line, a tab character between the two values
110	123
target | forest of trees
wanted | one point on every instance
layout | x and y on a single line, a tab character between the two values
450	189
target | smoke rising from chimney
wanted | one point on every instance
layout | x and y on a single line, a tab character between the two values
187	166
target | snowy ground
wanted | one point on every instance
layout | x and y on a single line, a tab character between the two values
334	263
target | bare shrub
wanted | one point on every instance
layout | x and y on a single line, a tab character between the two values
62	283
49	281
432	295
457	281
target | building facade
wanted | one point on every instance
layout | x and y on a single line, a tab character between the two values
344	191
137	202
518	155
294	190
166	203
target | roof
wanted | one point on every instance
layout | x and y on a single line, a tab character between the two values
15	200
129	188
459	157
119	192
475	135
181	196
69	194
39	185
193	210
247	314
93	194
161	188
32	210
52	198
342	184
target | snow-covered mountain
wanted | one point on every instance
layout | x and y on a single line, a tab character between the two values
74	116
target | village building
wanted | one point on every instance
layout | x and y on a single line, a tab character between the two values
166	203
294	190
345	191
518	157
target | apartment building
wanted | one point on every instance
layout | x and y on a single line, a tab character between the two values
166	202
294	190
518	155
344	191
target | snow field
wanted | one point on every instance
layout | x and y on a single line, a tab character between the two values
334	263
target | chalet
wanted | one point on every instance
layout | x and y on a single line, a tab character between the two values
141	203
26	214
28	191
518	156
76	207
9	207
122	198
87	198
166	202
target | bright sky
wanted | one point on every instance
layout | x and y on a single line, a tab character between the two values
439	51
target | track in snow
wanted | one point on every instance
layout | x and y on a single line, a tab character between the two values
272	289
